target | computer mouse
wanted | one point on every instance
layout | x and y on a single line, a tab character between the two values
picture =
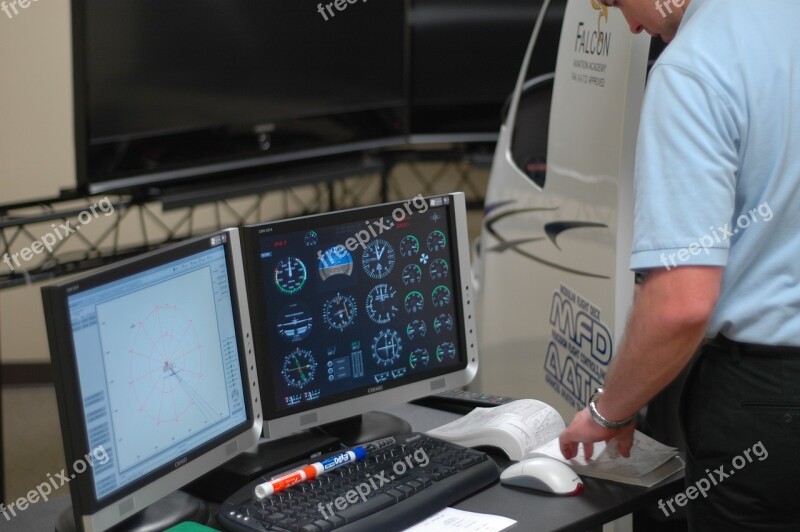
544	474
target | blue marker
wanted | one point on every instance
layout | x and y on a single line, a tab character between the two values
309	472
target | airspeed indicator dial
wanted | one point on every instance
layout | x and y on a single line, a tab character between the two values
290	275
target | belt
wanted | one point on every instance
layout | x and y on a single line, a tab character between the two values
757	350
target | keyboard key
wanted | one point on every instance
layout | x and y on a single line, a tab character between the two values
416	486
357	511
337	521
290	524
397	494
408	490
323	525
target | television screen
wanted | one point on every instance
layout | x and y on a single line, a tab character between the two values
162	87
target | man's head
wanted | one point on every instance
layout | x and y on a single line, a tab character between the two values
656	17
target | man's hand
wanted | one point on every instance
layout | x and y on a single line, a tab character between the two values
585	430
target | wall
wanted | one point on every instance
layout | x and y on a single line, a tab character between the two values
36	142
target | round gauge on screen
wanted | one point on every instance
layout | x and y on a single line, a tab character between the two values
412	274
387	347
382	303
311	238
443	322
294	322
414	302
445	351
378	259
418	357
438	269
339	312
409	246
290	275
299	368
440	296
416	329
436	241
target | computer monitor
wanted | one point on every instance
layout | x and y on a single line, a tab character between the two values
154	374
360	309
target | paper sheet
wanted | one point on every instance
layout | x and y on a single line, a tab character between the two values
646	455
452	519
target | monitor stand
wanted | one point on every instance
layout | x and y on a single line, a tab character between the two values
169	511
217	485
366	427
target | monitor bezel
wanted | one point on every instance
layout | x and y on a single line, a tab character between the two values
99	514
279	423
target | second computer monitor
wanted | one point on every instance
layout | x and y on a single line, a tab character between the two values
360	309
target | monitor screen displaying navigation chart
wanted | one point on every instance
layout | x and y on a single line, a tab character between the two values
152	374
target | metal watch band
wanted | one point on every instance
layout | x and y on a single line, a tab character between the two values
603	422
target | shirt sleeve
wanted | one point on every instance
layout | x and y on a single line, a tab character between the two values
686	171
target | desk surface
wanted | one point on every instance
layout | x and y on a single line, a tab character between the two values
600	502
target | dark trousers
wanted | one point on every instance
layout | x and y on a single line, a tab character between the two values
741	417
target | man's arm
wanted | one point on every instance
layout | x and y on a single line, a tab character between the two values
667	324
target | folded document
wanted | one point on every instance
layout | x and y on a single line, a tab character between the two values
528	427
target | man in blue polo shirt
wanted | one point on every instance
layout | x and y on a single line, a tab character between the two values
717	229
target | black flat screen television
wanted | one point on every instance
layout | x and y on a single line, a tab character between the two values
167	91
185	88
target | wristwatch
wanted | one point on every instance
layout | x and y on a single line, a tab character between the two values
603	422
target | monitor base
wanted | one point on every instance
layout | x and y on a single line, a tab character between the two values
169	511
366	427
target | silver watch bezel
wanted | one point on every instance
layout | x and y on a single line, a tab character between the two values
603	422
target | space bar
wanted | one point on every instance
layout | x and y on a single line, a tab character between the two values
363	509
